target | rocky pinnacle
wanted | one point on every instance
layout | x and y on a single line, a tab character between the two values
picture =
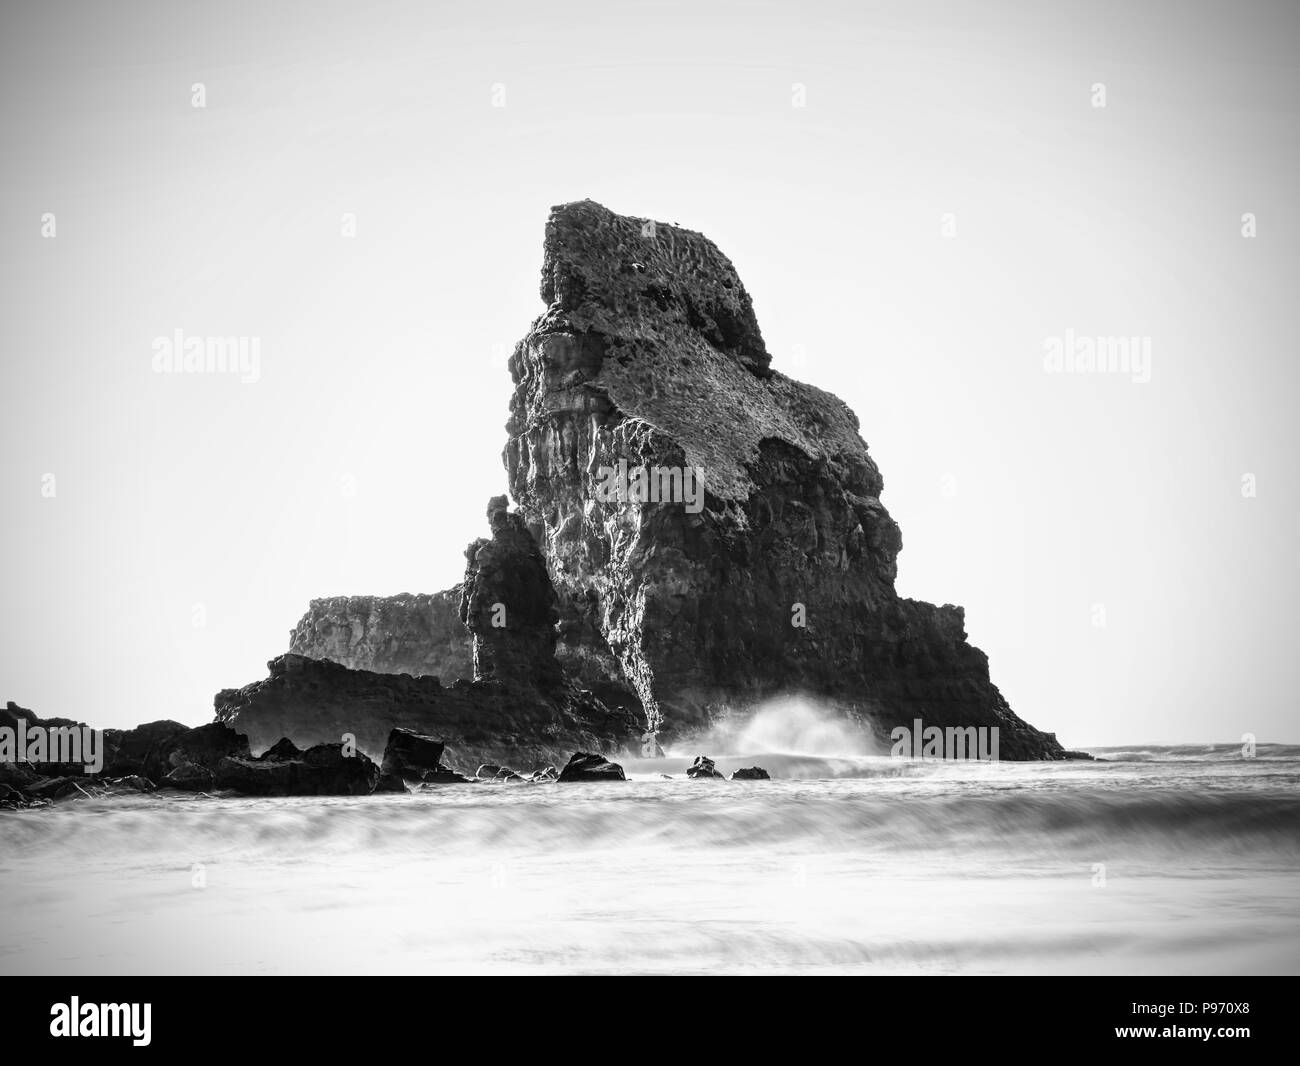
648	353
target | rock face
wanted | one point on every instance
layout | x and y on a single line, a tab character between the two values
317	702
508	605
522	707
648	353
417	635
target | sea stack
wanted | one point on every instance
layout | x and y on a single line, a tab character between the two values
694	533
648	354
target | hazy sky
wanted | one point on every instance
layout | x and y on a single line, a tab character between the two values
947	200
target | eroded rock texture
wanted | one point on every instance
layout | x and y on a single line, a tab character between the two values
406	634
648	351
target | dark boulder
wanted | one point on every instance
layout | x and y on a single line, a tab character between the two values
328	771
204	746
585	766
323	770
140	751
487	772
258	777
702	767
409	755
752	773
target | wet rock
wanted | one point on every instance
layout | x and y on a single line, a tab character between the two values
392	783
444	777
322	770
140	751
330	772
203	747
17	775
258	777
585	766
549	773
53	788
702	767
752	773
487	772
189	777
505	774
409	755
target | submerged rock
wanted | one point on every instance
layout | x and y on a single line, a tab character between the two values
444	777
584	766
752	773
702	767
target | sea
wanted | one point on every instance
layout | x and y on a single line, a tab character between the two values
1149	860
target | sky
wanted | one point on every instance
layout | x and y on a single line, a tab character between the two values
923	199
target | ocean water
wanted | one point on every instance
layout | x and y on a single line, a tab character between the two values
1156	860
